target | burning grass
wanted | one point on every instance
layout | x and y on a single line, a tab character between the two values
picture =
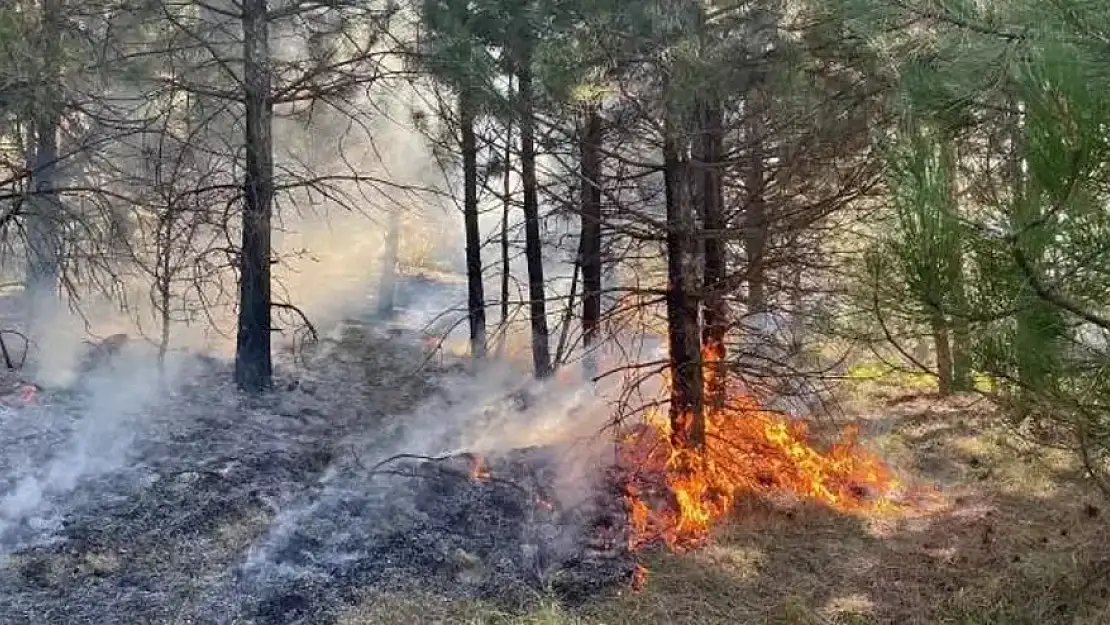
1013	539
677	493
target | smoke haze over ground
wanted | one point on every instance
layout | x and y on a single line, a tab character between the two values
146	493
134	498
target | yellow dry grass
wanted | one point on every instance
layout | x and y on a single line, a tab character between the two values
1008	536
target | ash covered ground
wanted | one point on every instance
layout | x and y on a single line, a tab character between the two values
127	501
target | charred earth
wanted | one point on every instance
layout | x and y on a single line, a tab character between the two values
197	506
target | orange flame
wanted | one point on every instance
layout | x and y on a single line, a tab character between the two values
478	469
639	577
676	494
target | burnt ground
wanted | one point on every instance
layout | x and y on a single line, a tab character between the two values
194	505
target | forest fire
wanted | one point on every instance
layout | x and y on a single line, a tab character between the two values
479	471
676	494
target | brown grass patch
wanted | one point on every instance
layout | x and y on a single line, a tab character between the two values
1012	537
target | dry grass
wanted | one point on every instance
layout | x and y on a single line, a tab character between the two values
1007	536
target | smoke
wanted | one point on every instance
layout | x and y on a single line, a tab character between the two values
497	407
335	248
96	433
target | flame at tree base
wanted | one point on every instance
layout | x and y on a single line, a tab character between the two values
675	495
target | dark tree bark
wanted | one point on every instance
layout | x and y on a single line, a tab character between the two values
687	414
43	241
961	344
253	364
533	245
568	313
387	288
476	298
590	236
506	190
944	354
715	326
755	218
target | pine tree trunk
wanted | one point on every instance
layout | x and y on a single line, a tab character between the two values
1038	322
590	236
476	298
43	241
944	354
533	245
506	190
962	381
755	218
253	364
710	152
568	313
387	288
961	333
687	414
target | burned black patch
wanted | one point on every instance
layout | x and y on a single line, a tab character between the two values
225	511
504	535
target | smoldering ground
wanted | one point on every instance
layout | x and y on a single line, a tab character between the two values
188	504
131	495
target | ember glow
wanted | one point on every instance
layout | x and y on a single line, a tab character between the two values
478	469
675	494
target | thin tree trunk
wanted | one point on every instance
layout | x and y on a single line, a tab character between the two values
961	342
253	364
476	298
755	219
164	281
944	354
1038	322
43	241
533	250
590	237
687	415
506	189
568	314
715	326
387	288
961	333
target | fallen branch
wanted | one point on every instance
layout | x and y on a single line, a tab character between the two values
432	460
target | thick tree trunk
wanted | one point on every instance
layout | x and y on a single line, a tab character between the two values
710	152
44	218
387	287
476	298
253	364
590	236
533	245
687	414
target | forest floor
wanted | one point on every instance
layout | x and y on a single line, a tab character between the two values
1008	535
197	507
